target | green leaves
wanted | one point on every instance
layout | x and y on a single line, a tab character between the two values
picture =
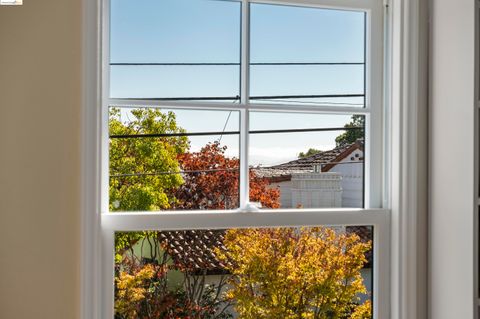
144	171
350	136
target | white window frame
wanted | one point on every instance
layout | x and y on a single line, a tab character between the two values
98	226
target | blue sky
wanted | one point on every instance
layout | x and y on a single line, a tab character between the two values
205	31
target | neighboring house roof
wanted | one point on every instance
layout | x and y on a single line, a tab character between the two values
327	160
195	249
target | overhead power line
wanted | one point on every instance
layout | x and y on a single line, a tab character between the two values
260	97
176	172
178	134
212	170
228	63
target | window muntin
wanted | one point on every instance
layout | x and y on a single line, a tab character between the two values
165	159
339	86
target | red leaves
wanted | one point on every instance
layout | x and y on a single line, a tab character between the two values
212	181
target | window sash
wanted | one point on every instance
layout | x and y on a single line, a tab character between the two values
373	110
378	218
373	214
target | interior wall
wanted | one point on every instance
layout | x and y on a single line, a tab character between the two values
40	108
451	285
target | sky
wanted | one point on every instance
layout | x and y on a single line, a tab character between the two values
208	31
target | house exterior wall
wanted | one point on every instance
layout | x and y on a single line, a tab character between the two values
316	190
285	193
352	184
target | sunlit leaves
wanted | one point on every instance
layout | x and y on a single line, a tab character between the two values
295	273
144	171
212	181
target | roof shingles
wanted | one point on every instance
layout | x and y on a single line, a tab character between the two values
326	160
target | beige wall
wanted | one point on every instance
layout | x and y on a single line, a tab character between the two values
40	90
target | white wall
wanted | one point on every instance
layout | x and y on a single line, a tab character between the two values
352	180
451	159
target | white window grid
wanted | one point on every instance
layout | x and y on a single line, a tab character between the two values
376	203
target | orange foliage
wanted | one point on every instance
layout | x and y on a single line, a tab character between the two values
212	181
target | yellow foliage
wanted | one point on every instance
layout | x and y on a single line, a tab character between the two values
131	290
308	273
363	311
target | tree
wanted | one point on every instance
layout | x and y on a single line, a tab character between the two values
135	162
144	171
310	152
212	181
142	291
295	273
350	136
203	180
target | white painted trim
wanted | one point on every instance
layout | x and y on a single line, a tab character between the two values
374	58
139	221
327	4
92	279
133	103
373	197
476	173
108	273
408	122
244	112
90	261
453	206
104	79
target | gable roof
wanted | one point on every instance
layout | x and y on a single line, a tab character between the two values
327	160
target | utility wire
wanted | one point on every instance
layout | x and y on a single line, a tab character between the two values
317	103
224	127
228	63
260	97
175	172
212	170
327	129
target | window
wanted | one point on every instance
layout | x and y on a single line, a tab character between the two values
223	119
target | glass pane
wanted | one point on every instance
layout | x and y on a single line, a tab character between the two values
308	272
307	55
163	159
306	160
175	49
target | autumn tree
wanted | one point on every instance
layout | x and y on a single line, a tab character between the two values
295	273
212	181
136	182
154	173
144	291
350	136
